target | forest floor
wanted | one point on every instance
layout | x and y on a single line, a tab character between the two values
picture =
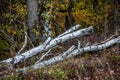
99	65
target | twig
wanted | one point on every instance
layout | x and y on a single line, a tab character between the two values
43	56
25	43
30	41
78	44
7	35
113	36
25	31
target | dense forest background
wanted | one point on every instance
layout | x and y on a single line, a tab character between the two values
65	14
104	15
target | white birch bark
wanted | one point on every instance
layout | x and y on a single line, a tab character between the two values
49	44
73	52
71	30
50	61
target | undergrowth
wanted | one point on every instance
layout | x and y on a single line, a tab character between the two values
102	65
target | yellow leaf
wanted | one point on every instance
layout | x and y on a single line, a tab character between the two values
14	32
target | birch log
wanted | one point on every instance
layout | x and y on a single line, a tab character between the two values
46	46
73	52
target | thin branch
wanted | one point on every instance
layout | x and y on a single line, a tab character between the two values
30	40
25	43
25	32
7	36
43	56
78	44
113	36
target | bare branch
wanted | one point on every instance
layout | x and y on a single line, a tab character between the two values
78	44
50	61
30	41
11	40
43	56
52	43
72	52
25	43
70	30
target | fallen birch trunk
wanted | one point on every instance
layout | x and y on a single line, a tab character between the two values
50	43
71	52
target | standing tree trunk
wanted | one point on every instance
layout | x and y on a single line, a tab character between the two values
32	20
116	16
117	22
71	5
69	19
